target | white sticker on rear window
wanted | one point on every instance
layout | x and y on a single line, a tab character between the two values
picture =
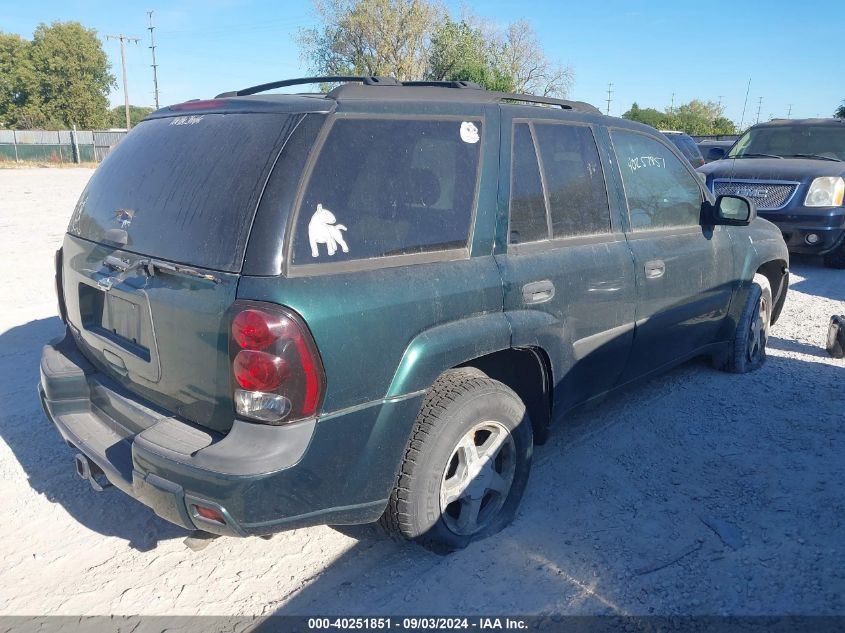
187	120
323	229
469	133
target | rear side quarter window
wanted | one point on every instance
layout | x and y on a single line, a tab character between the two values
383	187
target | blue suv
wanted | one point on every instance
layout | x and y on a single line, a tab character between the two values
795	171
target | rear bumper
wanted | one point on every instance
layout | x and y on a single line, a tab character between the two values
797	224
262	479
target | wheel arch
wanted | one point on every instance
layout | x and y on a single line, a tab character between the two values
777	272
482	342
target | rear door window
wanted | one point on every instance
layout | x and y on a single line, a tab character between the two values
574	180
185	188
389	186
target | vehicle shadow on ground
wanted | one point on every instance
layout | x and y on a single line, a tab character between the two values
645	505
48	461
818	280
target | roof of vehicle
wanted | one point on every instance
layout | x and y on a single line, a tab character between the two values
824	121
673	132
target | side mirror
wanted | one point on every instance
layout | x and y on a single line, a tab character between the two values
734	211
716	153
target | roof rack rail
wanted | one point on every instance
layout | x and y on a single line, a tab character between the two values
445	84
367	80
357	87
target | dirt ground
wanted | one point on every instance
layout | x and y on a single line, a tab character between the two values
696	493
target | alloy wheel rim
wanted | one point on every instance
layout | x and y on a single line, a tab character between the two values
758	332
477	479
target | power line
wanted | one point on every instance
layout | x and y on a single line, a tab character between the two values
151	29
123	39
609	92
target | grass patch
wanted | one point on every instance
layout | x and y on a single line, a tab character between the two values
10	164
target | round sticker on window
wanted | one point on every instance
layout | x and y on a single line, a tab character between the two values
469	133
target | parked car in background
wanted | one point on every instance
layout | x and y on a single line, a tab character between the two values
288	310
794	169
721	147
688	148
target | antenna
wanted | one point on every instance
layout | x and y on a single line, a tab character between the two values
741	123
609	92
745	105
759	106
151	29
123	39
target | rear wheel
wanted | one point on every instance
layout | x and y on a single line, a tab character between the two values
836	257
748	348
466	466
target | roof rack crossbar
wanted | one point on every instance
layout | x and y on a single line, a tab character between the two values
367	80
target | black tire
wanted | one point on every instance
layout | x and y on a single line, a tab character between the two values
836	257
748	349
461	406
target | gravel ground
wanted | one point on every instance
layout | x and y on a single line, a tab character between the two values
696	493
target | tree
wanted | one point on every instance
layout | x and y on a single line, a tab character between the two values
522	58
72	73
117	115
840	111
463	52
18	93
696	117
649	116
370	37
416	39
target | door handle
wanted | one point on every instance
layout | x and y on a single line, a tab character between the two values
538	291
655	269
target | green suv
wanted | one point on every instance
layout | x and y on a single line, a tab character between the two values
286	310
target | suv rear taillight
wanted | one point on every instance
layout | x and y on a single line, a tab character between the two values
277	374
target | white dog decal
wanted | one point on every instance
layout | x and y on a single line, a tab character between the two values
322	229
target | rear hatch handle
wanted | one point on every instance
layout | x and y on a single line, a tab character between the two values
149	267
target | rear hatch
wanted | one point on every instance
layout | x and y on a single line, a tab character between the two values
154	250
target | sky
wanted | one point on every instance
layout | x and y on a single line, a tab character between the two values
652	52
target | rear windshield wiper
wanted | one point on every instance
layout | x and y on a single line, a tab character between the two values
752	155
149	267
817	156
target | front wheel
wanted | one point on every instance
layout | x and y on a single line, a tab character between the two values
466	465
748	349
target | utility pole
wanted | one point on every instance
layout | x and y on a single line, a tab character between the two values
789	114
151	29
609	92
759	107
123	39
672	107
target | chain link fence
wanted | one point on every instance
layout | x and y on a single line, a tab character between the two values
57	146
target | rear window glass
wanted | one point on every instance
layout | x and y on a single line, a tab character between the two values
574	180
687	146
185	188
384	187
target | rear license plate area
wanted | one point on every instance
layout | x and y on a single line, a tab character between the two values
117	319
